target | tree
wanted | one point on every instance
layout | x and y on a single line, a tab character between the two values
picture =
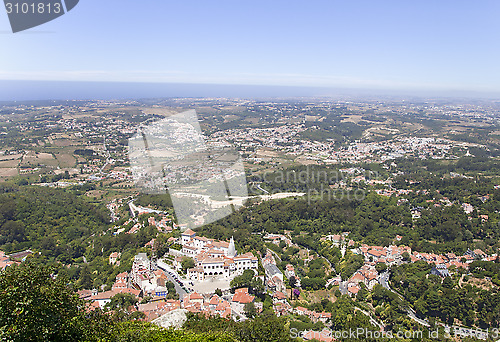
250	310
36	307
292	281
265	327
363	293
137	331
85	279
122	301
187	263
218	292
248	279
381	267
448	283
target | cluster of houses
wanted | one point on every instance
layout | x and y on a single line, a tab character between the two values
148	281
277	238
367	275
214	305
388	255
339	240
323	317
100	299
208	304
274	277
5	261
451	259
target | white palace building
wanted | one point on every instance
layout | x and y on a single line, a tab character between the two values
215	259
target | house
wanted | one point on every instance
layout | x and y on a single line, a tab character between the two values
335	239
440	270
141	269
274	278
193	297
467	208
279	297
245	262
281	309
480	254
121	281
377	253
20	256
240	298
272	271
187	235
156	309
353	290
320	316
113	258
103	298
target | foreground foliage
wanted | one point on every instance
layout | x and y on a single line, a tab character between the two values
36	307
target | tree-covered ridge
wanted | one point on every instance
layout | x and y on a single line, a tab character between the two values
450	299
51	220
375	220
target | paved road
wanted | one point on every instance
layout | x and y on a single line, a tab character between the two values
167	269
373	321
264	190
276	257
343	287
384	281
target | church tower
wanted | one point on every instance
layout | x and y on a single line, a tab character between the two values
231	251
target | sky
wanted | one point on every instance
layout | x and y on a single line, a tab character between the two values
413	45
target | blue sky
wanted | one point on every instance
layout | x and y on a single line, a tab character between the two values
442	45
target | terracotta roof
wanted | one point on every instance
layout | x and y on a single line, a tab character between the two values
279	295
112	293
214	300
188	232
193	296
353	289
241	296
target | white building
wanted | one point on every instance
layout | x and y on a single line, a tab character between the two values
215	259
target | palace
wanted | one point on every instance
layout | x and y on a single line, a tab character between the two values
215	259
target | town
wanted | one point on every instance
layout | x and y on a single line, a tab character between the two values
380	219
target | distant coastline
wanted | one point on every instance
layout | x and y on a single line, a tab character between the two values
24	90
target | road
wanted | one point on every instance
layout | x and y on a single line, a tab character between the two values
274	254
263	190
343	287
180	291
373	321
384	281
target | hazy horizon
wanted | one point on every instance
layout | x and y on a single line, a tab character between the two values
25	90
